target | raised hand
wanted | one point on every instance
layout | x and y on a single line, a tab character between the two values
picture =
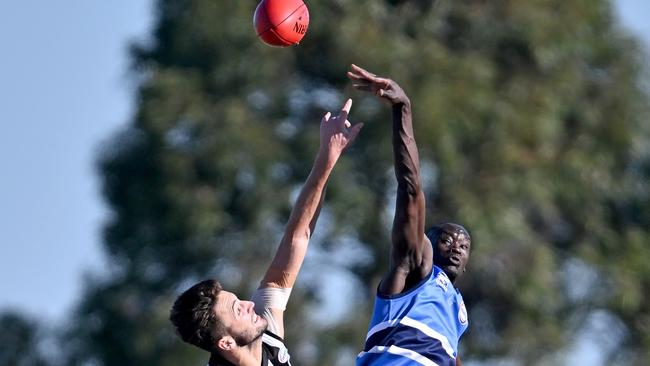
384	88
337	133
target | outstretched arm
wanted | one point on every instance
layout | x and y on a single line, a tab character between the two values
411	253
336	134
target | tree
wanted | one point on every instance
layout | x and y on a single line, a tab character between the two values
20	339
532	128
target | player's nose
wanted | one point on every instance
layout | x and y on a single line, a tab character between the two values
250	306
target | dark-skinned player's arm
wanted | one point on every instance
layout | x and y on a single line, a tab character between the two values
458	362
411	253
336	134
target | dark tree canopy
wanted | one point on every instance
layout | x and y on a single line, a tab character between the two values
21	339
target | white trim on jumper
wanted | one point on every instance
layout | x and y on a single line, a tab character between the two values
401	352
417	325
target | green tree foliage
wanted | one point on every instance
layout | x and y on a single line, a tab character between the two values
20	339
533	133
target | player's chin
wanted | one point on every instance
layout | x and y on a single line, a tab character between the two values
258	331
263	324
452	271
452	268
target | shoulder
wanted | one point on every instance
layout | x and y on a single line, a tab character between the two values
274	349
270	337
409	291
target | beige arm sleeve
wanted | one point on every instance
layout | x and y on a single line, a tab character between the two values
268	298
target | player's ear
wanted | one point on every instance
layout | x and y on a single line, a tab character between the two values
226	343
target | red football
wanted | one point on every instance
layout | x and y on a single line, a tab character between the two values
281	22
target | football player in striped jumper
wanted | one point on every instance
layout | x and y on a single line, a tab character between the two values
418	315
250	333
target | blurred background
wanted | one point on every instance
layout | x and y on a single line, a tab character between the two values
149	144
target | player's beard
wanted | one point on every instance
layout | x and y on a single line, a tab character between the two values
251	336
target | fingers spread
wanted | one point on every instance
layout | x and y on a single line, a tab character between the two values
354	76
345	110
354	131
362	87
326	117
362	71
347	105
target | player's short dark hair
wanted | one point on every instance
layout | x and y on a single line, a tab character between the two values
194	317
434	232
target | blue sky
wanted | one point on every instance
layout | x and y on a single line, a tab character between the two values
64	88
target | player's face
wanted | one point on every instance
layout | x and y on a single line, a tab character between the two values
451	251
239	318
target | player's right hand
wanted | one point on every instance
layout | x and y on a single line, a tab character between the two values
336	132
384	88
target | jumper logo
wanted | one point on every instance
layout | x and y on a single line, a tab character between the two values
462	313
299	28
442	281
